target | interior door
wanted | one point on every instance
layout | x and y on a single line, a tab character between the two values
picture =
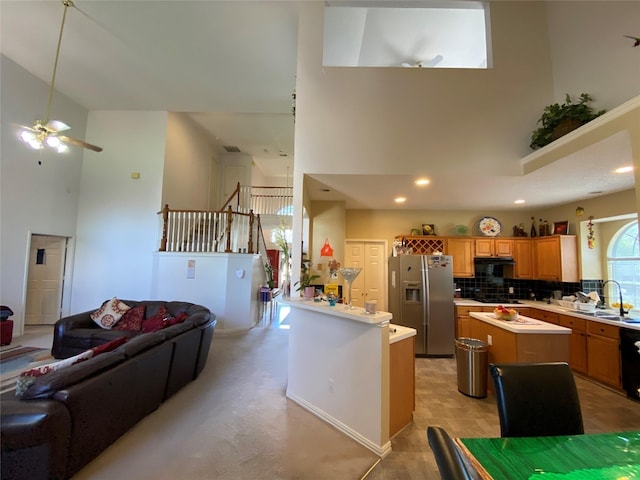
371	284
45	279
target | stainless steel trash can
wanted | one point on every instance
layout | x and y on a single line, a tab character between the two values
472	364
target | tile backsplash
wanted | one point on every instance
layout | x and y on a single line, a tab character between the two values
499	287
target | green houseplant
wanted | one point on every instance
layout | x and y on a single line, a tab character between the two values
306	279
558	120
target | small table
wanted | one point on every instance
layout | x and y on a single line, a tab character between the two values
571	457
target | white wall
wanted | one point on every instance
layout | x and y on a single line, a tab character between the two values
118	221
34	198
214	284
188	172
589	52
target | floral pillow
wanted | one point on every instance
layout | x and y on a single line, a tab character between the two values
26	378
109	313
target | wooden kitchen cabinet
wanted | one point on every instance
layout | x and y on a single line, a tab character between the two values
578	342
603	353
401	384
545	316
523	258
463	320
462	251
556	258
493	247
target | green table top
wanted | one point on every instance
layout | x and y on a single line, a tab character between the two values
604	456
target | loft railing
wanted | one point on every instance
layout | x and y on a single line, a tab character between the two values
210	231
235	228
262	200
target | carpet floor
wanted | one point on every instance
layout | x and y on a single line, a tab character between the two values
234	422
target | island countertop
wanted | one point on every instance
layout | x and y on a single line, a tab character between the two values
525	325
357	314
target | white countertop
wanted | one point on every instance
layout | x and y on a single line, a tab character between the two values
550	307
357	314
400	332
522	325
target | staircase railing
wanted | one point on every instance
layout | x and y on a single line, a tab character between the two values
211	231
262	200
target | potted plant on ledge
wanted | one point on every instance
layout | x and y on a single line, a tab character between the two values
306	280
558	120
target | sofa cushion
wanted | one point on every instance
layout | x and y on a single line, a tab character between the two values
155	322
131	321
140	343
109	313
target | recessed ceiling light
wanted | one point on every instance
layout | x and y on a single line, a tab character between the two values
326	190
626	169
519	201
421	182
400	199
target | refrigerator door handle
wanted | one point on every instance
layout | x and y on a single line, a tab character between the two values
425	292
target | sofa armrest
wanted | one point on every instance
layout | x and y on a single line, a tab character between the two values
35	437
79	320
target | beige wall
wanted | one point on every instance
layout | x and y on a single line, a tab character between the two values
328	223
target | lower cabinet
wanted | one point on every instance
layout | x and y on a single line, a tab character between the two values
578	343
603	353
401	384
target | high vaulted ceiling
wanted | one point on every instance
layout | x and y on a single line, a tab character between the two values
232	66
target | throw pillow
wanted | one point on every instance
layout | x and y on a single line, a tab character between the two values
109	313
173	320
156	322
107	347
132	320
27	377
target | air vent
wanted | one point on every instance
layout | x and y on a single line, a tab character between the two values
232	149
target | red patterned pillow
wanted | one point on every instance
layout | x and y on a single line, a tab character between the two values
132	320
173	320
107	347
157	322
109	313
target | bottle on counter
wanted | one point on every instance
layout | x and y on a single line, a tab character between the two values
541	228
532	296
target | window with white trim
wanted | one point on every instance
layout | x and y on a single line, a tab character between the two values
623	261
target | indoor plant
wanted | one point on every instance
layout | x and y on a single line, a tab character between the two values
558	120
306	279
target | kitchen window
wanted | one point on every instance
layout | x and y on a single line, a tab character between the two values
624	265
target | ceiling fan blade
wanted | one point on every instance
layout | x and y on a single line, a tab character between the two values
80	143
56	126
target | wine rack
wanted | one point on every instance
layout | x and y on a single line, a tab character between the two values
422	244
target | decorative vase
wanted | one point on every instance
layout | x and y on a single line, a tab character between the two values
308	292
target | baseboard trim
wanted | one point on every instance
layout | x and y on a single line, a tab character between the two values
380	450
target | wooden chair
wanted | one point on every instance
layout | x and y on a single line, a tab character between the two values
447	456
536	399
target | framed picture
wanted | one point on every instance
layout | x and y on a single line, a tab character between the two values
561	228
428	229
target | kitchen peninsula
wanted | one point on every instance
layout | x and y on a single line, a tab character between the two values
339	368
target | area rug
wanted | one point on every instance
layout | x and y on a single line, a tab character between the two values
16	359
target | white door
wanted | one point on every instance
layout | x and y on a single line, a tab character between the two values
371	256
44	279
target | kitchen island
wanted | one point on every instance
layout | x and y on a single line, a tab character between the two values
526	340
339	368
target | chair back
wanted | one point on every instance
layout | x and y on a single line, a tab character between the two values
447	456
536	399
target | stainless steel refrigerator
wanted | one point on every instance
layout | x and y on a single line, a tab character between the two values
421	297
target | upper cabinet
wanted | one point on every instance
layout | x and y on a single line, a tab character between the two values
556	258
493	247
523	258
462	251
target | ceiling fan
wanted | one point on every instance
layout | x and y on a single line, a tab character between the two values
47	132
424	64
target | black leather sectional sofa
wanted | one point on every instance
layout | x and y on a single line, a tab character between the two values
69	416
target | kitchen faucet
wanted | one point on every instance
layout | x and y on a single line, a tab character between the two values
622	312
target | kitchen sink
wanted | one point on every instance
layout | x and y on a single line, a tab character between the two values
616	318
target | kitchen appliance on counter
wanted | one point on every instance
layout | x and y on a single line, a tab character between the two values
421	297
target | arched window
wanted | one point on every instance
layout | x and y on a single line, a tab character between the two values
624	265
